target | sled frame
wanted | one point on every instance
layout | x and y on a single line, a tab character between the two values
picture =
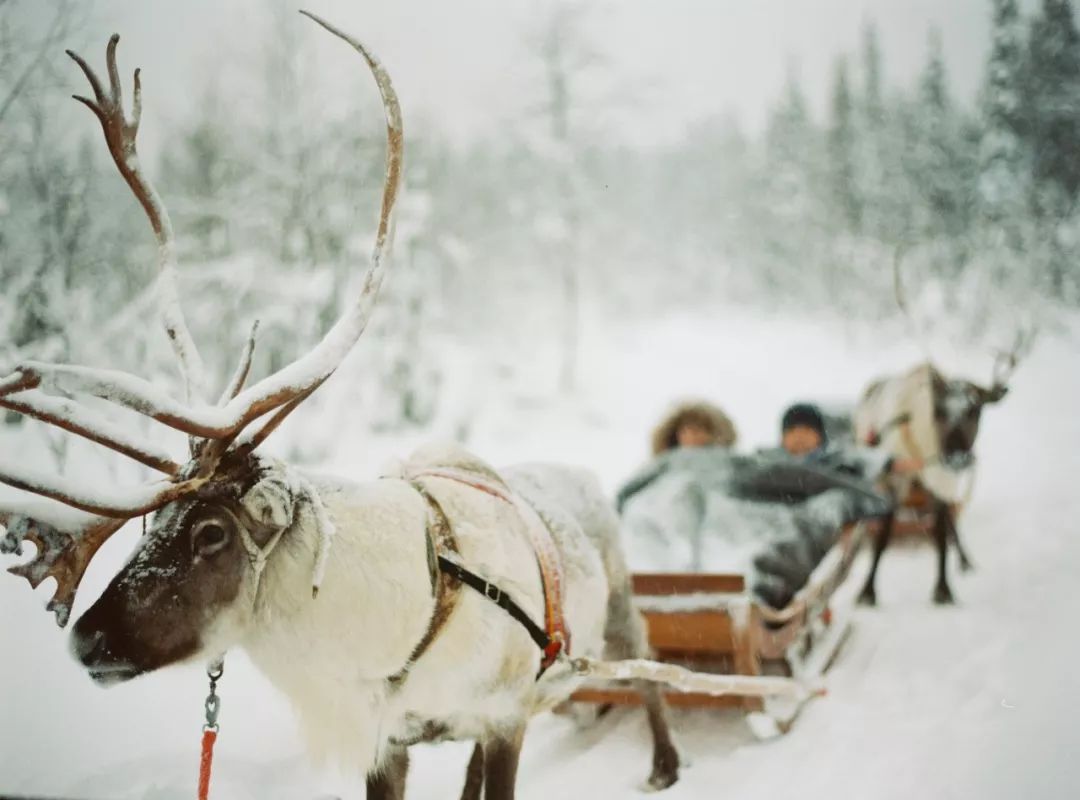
708	622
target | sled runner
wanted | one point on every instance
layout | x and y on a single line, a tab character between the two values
710	623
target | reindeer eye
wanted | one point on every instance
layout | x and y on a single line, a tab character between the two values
209	537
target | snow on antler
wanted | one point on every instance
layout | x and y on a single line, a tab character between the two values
71	416
125	503
129	391
289	384
236	382
16	382
65	549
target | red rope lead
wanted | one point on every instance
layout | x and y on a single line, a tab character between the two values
208	738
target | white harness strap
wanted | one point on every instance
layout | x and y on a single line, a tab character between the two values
307	501
326	530
258	555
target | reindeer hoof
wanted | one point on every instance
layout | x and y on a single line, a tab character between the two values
943	596
665	770
659	781
867	597
966	565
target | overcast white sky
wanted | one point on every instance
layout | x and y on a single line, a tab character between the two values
462	64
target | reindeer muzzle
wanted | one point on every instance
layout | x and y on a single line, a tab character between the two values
958	459
93	651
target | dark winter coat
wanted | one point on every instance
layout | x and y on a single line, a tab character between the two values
847	464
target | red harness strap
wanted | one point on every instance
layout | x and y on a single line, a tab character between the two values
548	558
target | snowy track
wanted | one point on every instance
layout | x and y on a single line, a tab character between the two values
975	701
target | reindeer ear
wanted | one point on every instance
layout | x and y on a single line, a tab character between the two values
995	393
270	502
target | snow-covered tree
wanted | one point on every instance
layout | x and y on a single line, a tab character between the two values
1003	154
204	172
1052	110
563	50
1053	98
842	146
883	186
873	94
940	168
793	224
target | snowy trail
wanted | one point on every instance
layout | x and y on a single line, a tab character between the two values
973	701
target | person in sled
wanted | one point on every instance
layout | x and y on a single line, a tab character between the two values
699	506
694	423
688	432
804	440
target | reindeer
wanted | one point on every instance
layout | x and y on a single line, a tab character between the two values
925	416
356	600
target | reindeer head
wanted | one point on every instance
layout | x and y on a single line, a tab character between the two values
958	404
190	585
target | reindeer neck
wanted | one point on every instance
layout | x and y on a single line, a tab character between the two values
375	601
918	437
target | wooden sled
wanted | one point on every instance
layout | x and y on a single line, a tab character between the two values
709	622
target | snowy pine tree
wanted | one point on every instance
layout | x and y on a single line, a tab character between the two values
203	171
1053	99
1003	155
843	185
793	224
940	169
880	143
1052	106
873	97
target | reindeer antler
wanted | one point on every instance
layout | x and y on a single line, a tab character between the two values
64	554
77	419
120	135
1006	361
898	281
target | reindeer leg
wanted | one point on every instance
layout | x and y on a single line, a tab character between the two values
625	638
500	762
868	595
474	775
388	783
942	593
665	762
954	535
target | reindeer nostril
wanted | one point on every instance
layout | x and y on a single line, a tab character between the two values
90	647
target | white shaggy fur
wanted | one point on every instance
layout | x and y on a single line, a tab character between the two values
332	655
910	393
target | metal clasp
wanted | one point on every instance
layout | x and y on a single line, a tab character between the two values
213	701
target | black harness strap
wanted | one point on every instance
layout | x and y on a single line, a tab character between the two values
440	536
496	596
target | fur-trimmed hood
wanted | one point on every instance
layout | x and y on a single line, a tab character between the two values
700	412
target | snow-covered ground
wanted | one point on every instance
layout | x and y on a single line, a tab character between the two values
973	701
